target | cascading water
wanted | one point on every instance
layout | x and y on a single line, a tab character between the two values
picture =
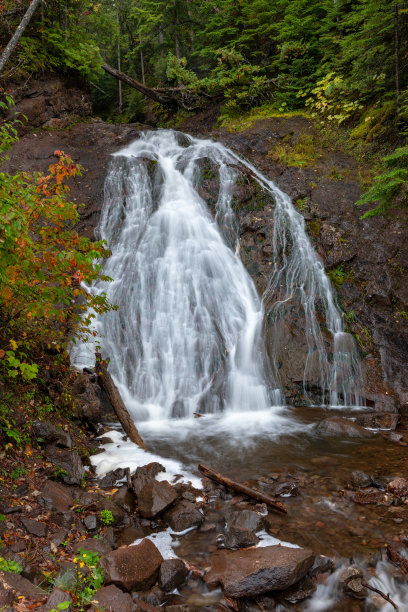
187	337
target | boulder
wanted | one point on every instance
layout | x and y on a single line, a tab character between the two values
87	401
241	528
48	433
124	498
173	573
300	591
145	474
21	585
56	497
69	461
110	598
377	420
57	596
337	426
183	516
251	572
398	487
155	497
133	567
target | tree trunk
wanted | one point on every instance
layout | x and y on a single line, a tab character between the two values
115	399
396	51
18	33
119	61
240	488
142	62
150	93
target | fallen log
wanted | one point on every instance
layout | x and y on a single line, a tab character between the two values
383	595
106	382
146	91
240	488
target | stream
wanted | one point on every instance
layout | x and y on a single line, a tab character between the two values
187	350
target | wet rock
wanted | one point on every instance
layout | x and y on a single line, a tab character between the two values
350	582
255	571
133	567
398	487
56	496
35	527
124	498
49	433
287	489
109	504
337	426
360	479
57	597
8	595
173	574
111	598
69	461
155	497
88	404
102	547
21	585
321	565
183	516
155	597
385	420
241	528
368	496
206	527
128	535
90	522
300	591
111	478
145	474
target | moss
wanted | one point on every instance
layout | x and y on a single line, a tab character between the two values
242	122
315	227
299	154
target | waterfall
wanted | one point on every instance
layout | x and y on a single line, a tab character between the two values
188	335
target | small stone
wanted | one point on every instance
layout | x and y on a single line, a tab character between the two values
360	479
368	496
173	574
350	581
90	522
132	567
398	487
35	527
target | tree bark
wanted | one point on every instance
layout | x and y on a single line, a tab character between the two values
240	488
18	33
150	93
115	399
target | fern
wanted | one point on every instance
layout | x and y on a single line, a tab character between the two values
390	187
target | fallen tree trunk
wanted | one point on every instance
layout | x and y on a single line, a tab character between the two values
106	382
240	488
150	93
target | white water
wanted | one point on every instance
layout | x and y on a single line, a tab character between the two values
187	337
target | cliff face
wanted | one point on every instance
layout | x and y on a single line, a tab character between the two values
366	259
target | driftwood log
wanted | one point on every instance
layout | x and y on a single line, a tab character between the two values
240	488
106	382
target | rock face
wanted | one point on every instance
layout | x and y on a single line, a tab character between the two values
337	426
155	497
48	433
132	567
68	461
258	570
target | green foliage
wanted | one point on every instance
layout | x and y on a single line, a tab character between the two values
8	424
329	99
10	566
106	517
87	584
337	276
390	187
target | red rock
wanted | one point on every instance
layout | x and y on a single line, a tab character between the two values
398	487
112	598
251	572
132	567
368	496
155	497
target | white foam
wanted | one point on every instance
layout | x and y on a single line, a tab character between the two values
267	540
